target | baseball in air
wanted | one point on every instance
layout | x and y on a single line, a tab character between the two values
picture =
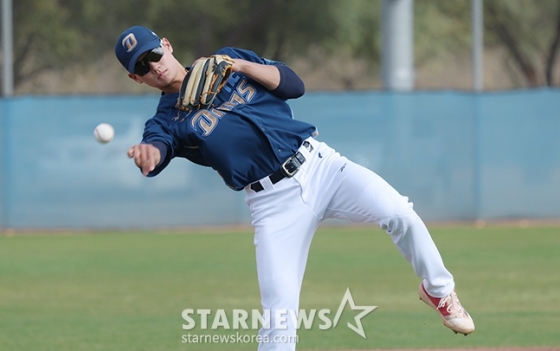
104	133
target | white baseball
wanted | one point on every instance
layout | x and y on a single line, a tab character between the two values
104	133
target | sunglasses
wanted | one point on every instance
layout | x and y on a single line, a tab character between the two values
143	66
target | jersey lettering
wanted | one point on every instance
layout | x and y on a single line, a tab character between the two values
236	99
227	106
245	90
207	120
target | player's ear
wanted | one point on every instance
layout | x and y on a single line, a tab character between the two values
167	44
135	78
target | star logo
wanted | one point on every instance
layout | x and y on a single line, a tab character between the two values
358	328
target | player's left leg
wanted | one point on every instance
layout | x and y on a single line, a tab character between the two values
336	187
363	196
339	188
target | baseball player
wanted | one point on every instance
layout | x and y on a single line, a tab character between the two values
292	181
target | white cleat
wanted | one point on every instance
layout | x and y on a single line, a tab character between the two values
454	316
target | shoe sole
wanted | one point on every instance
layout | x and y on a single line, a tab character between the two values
424	298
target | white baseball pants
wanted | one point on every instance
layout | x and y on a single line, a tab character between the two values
287	214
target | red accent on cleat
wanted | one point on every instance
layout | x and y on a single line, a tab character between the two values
454	316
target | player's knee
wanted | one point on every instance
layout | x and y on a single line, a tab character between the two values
280	294
399	225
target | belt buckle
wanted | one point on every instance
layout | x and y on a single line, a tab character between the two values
285	170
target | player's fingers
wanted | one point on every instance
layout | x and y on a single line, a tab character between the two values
140	158
148	162
130	152
147	166
136	153
145	156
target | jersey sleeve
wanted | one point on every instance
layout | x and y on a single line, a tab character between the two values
247	55
291	86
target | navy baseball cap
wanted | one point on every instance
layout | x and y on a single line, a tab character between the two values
132	43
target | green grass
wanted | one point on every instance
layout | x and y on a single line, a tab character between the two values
126	291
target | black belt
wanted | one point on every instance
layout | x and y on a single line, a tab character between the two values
288	169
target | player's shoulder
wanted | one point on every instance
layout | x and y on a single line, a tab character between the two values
167	101
165	107
241	53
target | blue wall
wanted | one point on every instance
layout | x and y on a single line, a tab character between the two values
458	156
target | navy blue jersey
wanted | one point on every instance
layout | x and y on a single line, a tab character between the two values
245	136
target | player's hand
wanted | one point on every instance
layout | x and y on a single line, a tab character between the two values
146	156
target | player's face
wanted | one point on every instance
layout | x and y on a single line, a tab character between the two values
158	68
143	64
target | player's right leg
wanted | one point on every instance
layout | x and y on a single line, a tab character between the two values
284	227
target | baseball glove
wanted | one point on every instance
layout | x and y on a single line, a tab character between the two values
203	82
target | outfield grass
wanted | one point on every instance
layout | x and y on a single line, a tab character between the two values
126	291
